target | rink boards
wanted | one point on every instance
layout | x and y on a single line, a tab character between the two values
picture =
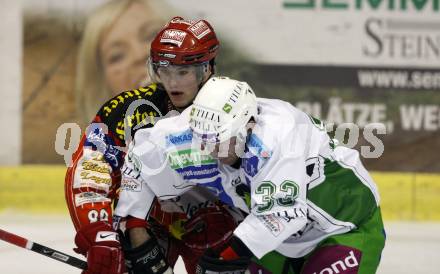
40	189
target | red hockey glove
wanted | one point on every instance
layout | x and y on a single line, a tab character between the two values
100	243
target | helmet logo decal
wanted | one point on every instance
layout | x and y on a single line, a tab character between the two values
173	36
235	94
227	108
199	29
164	63
167	55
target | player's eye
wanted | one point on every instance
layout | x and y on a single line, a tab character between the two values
115	57
183	72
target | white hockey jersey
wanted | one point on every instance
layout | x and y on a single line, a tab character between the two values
163	163
298	187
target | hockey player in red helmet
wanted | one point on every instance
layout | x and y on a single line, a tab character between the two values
182	59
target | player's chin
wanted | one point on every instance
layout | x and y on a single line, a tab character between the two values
180	100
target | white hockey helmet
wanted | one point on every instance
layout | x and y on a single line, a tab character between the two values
222	109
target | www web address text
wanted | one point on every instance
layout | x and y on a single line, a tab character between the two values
399	79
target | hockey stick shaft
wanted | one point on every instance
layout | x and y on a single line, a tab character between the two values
41	249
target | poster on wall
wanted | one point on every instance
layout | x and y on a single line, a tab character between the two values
365	62
371	63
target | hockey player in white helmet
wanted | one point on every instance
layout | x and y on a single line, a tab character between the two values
307	199
310	200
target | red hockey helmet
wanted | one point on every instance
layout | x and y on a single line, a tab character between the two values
184	42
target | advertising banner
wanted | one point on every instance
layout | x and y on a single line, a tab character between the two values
369	65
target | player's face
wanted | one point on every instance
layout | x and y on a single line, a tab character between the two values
225	152
125	47
181	83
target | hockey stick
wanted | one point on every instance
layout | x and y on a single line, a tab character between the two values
41	249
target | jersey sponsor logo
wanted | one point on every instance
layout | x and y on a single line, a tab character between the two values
190	209
95	166
130	123
98	140
94	180
256	156
334	259
130	172
102	236
256	146
199	29
189	157
184	137
250	165
94	173
89	197
173	36
198	173
272	224
119	100
129	184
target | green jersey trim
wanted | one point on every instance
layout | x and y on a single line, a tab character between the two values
344	194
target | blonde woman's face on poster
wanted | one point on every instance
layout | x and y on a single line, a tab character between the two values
124	49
